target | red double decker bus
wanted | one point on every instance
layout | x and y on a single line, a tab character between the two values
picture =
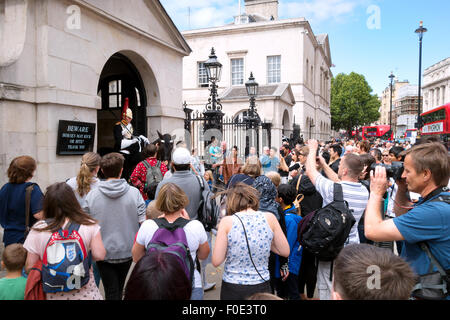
381	131
437	122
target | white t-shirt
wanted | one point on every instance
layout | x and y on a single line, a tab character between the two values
355	194
195	235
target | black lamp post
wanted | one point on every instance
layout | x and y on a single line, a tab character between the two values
252	90
252	119
390	113
421	30
213	109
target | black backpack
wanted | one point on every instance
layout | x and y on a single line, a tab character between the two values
328	228
208	210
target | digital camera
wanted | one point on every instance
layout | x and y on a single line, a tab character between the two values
394	170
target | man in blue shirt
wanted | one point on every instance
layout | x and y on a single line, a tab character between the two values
426	171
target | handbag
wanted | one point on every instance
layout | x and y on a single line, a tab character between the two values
298	198
248	246
433	285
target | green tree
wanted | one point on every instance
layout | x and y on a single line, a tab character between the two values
352	103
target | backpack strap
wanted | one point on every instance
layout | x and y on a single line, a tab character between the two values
200	181
424	246
338	194
179	223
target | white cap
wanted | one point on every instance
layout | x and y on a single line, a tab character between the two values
181	156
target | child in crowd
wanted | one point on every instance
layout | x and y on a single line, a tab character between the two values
12	286
209	178
287	280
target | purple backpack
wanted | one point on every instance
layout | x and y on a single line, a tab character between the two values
171	238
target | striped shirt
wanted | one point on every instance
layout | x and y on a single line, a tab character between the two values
355	194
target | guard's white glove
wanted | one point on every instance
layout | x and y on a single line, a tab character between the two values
126	143
144	139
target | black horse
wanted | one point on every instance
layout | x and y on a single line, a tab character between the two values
165	146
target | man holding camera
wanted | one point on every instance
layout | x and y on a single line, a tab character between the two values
426	171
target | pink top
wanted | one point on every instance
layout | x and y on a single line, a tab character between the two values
36	242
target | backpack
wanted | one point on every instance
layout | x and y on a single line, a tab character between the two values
208	210
324	232
66	262
154	175
433	285
171	238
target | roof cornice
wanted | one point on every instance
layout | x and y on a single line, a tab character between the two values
184	48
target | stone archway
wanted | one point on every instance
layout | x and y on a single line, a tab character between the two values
125	75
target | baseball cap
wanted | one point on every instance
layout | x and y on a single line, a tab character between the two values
181	156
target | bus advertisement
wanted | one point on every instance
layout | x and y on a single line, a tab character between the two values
382	132
437	122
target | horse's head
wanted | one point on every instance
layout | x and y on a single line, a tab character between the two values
165	147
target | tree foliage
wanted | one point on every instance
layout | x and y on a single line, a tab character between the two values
352	103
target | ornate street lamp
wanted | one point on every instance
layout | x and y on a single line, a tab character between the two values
252	120
420	31
252	90
390	113
213	109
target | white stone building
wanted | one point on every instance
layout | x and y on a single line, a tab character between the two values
405	107
436	85
290	64
77	60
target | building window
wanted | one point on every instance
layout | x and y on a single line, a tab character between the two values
115	93
237	72
273	69
202	75
307	72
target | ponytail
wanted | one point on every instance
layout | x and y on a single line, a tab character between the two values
89	162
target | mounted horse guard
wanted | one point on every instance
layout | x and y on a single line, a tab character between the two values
126	143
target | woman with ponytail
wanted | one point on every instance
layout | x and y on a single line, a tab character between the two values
86	180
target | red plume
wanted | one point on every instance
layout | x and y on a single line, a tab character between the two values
124	109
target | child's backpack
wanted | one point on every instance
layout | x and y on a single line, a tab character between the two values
171	238
66	263
154	175
324	232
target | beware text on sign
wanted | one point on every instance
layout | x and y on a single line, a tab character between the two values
75	138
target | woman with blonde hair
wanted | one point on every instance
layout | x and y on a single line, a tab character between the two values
172	201
246	271
86	179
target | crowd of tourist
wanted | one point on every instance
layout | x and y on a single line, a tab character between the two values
397	193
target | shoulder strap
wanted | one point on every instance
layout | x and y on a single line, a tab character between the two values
163	223
28	192
200	181
146	164
338	194
424	247
298	181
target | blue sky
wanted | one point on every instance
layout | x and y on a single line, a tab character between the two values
371	37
